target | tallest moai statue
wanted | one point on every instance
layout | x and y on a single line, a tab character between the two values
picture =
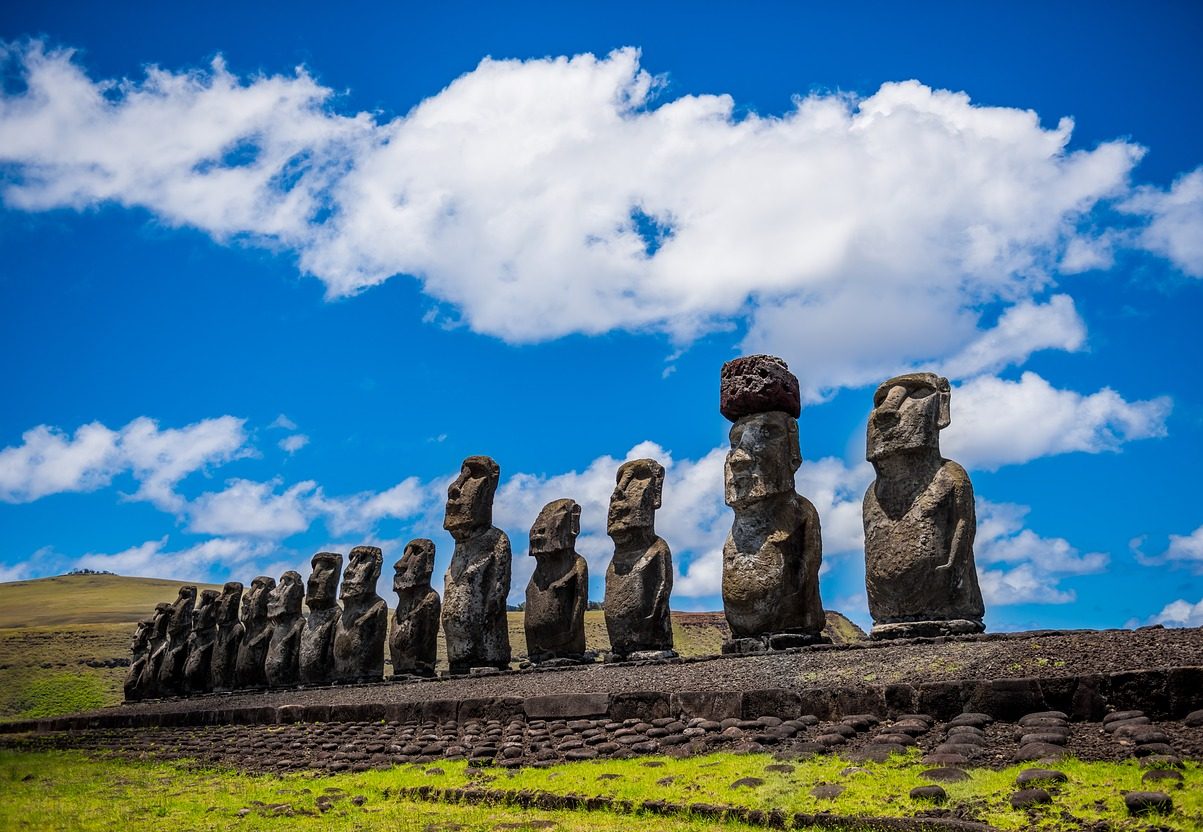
919	517
771	558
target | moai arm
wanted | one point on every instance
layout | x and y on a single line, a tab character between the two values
577	582
965	523
498	563
664	583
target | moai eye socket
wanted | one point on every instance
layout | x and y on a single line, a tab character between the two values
921	392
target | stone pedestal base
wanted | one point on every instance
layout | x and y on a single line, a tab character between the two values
412	675
588	657
927	629
770	642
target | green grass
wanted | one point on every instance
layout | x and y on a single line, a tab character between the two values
57	790
85	599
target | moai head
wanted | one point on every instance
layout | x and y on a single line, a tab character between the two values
763	458
415	567
285	600
160	620
555	528
181	610
229	603
254	603
757	384
637	493
322	590
142	636
363	570
470	497
909	411
204	617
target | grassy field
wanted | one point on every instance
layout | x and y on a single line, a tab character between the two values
84	599
68	791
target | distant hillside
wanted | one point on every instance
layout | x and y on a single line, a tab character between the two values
84	599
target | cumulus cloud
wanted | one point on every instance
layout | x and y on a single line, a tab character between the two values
1176	227
1018	566
245	507
1180	613
52	461
538	198
1185	550
294	443
996	422
216	558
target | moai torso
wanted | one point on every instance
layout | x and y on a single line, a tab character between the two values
317	638
148	682
639	578
362	627
139	654
919	517
771	558
558	591
198	669
478	579
229	637
413	643
175	656
252	652
281	666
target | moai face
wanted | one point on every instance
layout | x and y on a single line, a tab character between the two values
181	614
636	496
363	570
229	603
142	636
285	598
161	619
555	528
470	497
763	458
204	616
416	565
909	412
254	603
322	590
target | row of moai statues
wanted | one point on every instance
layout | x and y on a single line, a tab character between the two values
919	569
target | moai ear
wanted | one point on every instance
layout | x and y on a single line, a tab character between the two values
945	417
795	450
576	518
657	485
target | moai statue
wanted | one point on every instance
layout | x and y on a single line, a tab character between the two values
414	640
772	555
639	578
317	639
229	637
281	666
919	517
362	628
175	657
257	635
148	683
201	641
478	579
139	655
558	592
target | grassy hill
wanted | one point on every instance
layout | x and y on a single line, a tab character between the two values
64	641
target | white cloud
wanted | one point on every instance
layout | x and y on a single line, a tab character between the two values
282	422
51	461
1182	549
253	508
1180	613
552	196
1175	230
997	422
1018	566
360	512
294	443
215	558
17	571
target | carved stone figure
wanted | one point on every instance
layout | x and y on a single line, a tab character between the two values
639	578
229	637
252	652
148	683
478	580
363	626
139	655
413	643
175	657
281	667
558	592
771	558
199	667
919	517
317	639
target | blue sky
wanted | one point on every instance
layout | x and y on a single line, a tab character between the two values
269	274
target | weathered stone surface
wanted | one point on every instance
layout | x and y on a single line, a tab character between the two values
758	384
1143	803
566	706
478	579
229	637
252	652
201	640
148	683
639	579
175	651
281	666
935	794
772	556
558	591
316	660
362	628
1026	798
414	638
918	516
139	656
